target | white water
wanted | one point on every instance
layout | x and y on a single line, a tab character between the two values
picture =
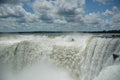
63	57
110	73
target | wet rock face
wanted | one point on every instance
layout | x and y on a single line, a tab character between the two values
115	56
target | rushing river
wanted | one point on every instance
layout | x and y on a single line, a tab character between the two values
59	57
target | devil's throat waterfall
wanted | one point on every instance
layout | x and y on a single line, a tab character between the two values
59	57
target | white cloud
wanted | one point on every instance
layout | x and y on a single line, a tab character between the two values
11	11
60	21
115	10
107	13
49	11
55	15
114	17
92	18
110	19
14	17
103	1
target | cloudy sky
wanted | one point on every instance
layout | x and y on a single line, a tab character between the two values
59	15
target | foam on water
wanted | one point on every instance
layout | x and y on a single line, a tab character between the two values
40	71
109	73
69	57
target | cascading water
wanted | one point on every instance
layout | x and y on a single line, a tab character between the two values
68	57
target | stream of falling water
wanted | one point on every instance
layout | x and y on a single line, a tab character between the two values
60	57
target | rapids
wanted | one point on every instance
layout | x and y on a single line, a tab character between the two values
59	57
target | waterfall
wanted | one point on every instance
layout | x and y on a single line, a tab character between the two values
83	57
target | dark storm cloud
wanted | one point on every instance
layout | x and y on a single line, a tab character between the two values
46	18
11	15
12	1
8	1
70	13
66	12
